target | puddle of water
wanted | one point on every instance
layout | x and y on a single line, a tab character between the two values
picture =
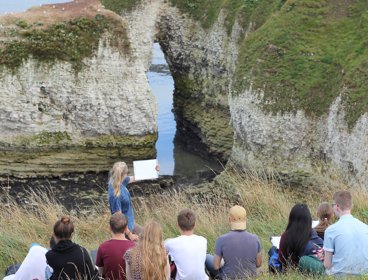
13	6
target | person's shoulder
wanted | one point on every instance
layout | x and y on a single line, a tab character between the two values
252	235
199	237
225	236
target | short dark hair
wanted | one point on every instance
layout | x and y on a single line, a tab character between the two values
118	223
64	228
344	199
186	219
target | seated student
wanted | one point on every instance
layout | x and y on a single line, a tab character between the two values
325	216
110	255
346	241
148	260
67	259
240	250
189	249
299	238
34	265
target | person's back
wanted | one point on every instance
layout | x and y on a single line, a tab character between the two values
188	250
239	250
67	259
110	255
189	254
70	261
346	241
350	239
34	265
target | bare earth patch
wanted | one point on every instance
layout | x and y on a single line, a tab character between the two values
51	13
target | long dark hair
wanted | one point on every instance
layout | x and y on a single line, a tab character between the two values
298	233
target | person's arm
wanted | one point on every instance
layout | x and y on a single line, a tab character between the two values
133	237
167	269
127	271
101	271
328	260
259	259
216	262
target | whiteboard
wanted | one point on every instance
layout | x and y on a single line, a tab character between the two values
145	169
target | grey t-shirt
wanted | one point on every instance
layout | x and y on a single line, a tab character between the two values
239	250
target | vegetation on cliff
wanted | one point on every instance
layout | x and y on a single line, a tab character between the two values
117	5
301	54
267	206
307	54
69	41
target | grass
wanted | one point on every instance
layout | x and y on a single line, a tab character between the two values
118	6
267	206
69	41
301	54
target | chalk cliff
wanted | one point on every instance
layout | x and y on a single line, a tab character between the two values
55	118
249	86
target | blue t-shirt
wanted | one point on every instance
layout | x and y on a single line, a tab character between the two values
122	203
239	250
347	239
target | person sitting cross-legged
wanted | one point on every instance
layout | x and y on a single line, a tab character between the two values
110	255
188	250
240	250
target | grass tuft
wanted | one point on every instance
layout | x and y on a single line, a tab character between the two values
267	203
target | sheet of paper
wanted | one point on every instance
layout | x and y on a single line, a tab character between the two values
315	223
145	169
275	240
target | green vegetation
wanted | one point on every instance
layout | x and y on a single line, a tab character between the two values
267	204
301	54
304	55
116	141
45	138
117	5
207	12
69	41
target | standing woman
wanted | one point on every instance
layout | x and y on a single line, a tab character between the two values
119	196
148	260
67	259
299	238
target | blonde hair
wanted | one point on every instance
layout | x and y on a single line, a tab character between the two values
118	170
153	253
325	214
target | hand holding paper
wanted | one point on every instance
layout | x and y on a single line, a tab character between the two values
146	169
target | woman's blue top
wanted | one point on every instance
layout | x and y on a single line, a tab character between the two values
122	203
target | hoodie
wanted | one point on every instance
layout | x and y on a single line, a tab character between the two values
70	261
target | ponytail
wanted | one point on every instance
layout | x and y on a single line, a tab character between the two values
325	215
119	169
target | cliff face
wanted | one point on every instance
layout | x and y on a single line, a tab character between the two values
56	119
294	142
249	85
202	63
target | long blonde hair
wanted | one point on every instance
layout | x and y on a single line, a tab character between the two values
153	253
118	170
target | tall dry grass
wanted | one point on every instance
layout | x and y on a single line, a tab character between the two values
267	203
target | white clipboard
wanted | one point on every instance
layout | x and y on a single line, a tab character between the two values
145	169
